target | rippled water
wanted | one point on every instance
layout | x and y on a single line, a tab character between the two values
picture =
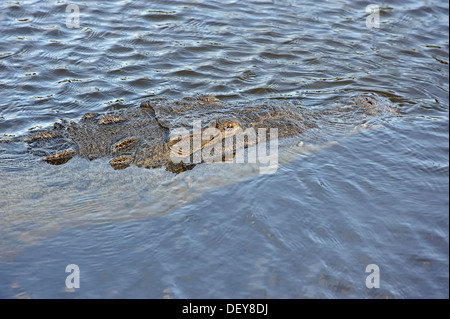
380	196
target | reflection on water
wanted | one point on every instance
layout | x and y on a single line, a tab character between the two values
220	230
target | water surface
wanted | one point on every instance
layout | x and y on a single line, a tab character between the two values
221	231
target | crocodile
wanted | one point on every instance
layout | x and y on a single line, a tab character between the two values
149	135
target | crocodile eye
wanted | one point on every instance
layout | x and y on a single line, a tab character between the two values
230	125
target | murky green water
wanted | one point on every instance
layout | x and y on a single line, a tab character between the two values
380	196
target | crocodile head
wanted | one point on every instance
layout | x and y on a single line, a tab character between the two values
183	144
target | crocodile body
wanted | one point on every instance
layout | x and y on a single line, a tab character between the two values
144	136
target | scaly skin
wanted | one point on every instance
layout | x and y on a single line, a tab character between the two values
142	136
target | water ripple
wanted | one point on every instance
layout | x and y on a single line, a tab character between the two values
309	230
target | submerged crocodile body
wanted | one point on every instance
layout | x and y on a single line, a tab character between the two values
147	135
